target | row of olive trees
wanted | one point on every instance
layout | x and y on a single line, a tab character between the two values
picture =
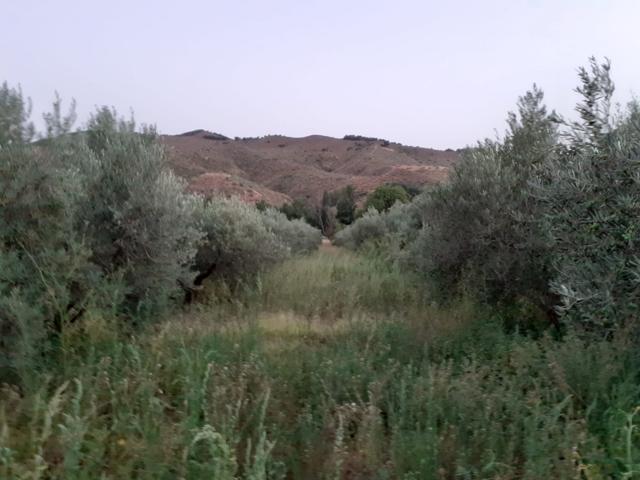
95	220
547	217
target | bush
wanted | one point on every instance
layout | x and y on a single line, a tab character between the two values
385	196
238	244
242	241
299	210
346	205
390	233
367	229
297	235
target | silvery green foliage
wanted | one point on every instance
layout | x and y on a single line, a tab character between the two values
137	218
56	123
44	265
480	231
404	221
390	232
297	235
105	123
591	194
15	127
237	244
368	228
109	226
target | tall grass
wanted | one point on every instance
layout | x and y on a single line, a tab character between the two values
361	380
332	284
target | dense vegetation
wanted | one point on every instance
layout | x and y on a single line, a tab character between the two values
543	220
335	368
484	329
96	221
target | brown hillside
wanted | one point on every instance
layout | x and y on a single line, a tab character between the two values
276	168
213	183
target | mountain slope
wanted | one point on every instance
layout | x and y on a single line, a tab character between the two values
277	168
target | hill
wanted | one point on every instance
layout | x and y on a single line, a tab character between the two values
277	169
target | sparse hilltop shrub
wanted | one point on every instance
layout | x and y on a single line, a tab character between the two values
362	138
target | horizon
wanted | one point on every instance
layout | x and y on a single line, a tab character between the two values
322	68
302	137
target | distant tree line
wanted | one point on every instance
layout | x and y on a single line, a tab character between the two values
339	208
362	138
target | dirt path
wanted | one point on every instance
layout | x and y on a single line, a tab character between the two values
327	246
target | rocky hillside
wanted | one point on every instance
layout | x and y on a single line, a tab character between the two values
277	169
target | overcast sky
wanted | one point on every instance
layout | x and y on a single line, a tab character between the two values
430	73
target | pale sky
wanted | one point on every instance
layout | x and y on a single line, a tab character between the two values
431	73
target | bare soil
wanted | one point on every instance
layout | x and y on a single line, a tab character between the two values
277	169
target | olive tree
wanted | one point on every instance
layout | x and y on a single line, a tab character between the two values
137	219
15	110
591	196
237	243
480	232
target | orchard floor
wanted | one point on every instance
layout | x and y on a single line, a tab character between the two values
336	366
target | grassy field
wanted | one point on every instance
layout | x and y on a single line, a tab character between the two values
335	367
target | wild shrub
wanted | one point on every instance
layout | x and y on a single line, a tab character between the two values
389	232
346	205
297	235
385	196
368	228
237	243
80	215
241	241
299	210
